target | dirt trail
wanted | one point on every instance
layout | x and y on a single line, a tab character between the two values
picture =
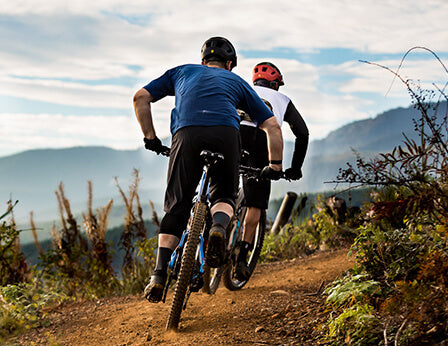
278	306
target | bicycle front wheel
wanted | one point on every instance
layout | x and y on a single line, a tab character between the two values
229	281
186	268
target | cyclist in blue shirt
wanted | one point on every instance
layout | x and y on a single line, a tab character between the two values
205	117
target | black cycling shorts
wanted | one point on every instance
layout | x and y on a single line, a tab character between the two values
255	142
185	170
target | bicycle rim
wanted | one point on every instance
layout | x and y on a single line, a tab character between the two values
216	278
186	268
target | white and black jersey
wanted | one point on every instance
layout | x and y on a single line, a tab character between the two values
275	100
285	111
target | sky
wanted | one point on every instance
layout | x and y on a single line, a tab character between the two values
69	69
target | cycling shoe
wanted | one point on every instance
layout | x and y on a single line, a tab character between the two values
242	271
154	290
216	248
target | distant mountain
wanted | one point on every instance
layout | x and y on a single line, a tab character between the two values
367	137
377	134
32	176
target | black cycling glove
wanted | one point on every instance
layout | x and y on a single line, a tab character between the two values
270	173
156	145
293	174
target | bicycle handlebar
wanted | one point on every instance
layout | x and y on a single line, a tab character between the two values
249	171
252	172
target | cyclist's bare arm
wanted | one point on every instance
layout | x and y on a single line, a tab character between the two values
275	141
142	108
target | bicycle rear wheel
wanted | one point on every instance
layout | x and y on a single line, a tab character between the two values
186	268
229	281
213	275
234	233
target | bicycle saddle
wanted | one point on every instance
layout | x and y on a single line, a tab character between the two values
211	158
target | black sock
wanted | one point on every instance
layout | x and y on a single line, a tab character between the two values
244	250
163	258
222	219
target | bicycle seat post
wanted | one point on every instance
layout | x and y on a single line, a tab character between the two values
210	159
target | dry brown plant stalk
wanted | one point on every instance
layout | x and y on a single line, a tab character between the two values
134	227
34	233
96	228
155	218
56	237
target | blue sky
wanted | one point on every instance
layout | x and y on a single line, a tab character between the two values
68	70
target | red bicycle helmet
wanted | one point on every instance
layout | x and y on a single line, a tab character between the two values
268	71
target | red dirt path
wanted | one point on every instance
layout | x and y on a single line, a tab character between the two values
280	305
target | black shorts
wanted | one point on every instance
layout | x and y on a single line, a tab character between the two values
185	166
255	142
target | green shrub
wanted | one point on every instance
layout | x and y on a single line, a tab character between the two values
141	267
351	290
293	241
22	306
332	234
387	254
13	268
356	325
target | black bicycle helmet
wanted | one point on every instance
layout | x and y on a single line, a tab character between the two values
218	48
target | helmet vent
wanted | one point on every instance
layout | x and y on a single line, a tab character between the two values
267	71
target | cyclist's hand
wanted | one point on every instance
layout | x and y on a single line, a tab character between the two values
156	145
292	174
270	173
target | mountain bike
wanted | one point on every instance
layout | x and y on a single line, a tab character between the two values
188	259
226	273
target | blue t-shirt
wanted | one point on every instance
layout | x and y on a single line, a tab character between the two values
207	96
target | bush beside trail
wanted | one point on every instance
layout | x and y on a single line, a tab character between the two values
397	292
77	265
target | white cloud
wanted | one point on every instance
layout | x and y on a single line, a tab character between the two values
67	93
374	78
374	25
30	131
66	52
87	40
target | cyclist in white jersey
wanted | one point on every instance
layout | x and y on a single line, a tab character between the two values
267	79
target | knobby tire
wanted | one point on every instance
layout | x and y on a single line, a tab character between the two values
186	268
